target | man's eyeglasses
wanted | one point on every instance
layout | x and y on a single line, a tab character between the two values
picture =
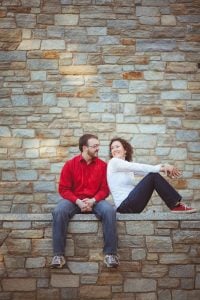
94	146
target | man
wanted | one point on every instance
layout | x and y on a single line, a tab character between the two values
84	187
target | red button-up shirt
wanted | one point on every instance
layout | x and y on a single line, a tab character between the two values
79	180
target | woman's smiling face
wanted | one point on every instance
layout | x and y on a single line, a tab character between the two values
117	150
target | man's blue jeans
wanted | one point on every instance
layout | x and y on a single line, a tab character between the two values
65	210
141	194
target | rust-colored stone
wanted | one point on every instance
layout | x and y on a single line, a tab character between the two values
128	41
19	9
178	9
2	13
110	278
193	38
133	75
179	183
50	54
149	110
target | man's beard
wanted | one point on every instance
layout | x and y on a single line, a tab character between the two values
92	154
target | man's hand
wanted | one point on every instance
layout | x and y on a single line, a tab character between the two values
89	202
86	204
81	205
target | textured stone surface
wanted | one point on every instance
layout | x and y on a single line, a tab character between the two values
149	264
114	68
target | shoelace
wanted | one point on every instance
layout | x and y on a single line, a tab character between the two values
57	258
184	206
113	258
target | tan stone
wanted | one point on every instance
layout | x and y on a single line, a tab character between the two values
102	292
174	108
154	270
194	85
8	46
32	234
181	67
10	35
29	45
86	92
15	187
118	50
64	280
127	59
169	20
68	141
78	70
18	246
110	278
19	284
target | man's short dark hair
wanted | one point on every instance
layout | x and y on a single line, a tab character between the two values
83	141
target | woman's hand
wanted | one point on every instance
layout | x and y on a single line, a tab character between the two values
170	171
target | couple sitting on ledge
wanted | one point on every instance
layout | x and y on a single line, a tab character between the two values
85	182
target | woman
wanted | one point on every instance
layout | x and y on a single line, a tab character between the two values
131	198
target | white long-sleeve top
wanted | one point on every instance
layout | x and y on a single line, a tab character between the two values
120	177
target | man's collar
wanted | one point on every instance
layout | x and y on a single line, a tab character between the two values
81	158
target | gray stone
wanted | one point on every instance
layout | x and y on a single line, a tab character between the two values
26	175
83	267
45	64
155	45
26	20
137	285
66	19
44	186
77	227
38	262
181	271
159	244
187	135
138	228
185	236
53	44
12	56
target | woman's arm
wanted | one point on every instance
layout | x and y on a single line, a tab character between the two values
170	171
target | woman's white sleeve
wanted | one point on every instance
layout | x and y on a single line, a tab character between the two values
120	165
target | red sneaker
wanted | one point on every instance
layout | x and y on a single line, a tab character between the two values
183	208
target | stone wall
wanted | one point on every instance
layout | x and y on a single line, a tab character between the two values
111	67
159	254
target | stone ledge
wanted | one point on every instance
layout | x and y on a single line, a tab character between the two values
91	217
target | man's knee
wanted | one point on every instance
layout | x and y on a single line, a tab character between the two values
106	208
61	208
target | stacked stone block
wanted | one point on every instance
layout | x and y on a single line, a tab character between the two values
159	258
128	68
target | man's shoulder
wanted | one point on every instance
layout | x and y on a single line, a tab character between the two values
101	161
73	159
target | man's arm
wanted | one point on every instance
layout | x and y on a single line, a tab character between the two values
103	190
65	183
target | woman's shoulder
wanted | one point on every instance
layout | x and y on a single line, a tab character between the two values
113	160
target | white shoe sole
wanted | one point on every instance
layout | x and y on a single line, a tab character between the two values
185	211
